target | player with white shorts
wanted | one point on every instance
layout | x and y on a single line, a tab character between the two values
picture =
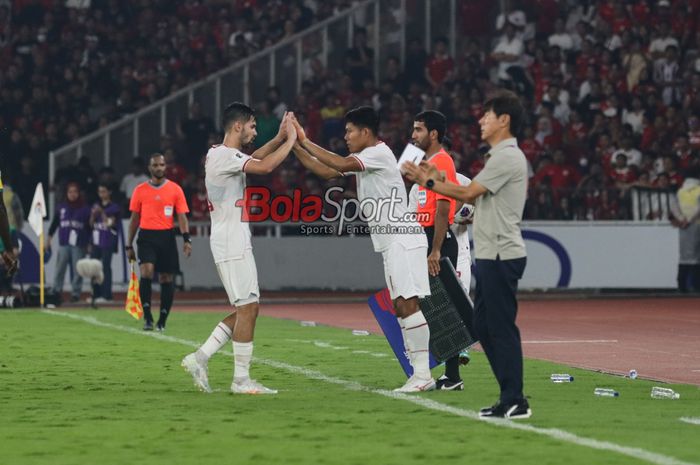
394	232
226	167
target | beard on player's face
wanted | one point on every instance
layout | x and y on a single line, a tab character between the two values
422	143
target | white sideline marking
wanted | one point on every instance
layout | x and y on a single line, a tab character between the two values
692	421
328	345
553	433
574	341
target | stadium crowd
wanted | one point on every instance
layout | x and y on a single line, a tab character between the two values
612	88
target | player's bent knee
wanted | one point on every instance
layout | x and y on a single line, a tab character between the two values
248	311
165	278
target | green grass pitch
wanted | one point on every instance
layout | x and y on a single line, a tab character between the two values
91	388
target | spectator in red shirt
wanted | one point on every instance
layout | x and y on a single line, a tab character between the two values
561	176
694	132
622	174
174	170
440	65
669	167
199	203
530	147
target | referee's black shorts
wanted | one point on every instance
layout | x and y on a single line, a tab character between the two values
160	248
449	249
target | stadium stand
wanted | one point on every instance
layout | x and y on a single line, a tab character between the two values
612	87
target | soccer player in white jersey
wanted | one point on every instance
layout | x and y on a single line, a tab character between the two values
226	167
403	252
459	228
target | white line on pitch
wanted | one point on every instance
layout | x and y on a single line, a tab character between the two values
553	433
328	345
574	341
692	421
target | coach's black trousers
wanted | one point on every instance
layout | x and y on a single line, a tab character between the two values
495	309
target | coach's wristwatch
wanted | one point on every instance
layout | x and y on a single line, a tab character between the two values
430	183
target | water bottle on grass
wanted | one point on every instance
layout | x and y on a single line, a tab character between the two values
605	392
664	393
561	378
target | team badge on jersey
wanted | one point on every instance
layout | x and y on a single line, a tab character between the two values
422	197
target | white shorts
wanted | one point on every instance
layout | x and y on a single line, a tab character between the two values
464	271
240	279
406	271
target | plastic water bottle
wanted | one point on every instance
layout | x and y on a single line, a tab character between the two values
605	392
360	332
633	374
561	378
664	393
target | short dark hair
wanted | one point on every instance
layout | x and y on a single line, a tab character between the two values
364	117
434	121
506	102
236	111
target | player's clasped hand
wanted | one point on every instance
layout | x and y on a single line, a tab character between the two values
301	134
187	249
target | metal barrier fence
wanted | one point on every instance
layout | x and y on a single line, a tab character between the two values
390	26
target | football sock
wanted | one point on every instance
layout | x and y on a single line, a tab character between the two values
167	293
452	368
405	343
418	339
145	294
242	355
217	339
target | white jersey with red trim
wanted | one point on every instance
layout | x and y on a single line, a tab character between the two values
378	182
226	182
460	229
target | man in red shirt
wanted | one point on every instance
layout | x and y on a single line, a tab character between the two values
436	213
154	204
440	65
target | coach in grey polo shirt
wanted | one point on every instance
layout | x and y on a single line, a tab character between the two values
498	193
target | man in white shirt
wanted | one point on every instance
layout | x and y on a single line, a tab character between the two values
663	40
561	38
507	53
393	229
634	156
133	179
667	74
226	167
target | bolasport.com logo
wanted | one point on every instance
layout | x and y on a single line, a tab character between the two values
339	213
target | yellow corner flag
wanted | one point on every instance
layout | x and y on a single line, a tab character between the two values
133	298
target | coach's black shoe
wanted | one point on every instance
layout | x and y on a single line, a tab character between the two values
513	411
444	383
148	326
